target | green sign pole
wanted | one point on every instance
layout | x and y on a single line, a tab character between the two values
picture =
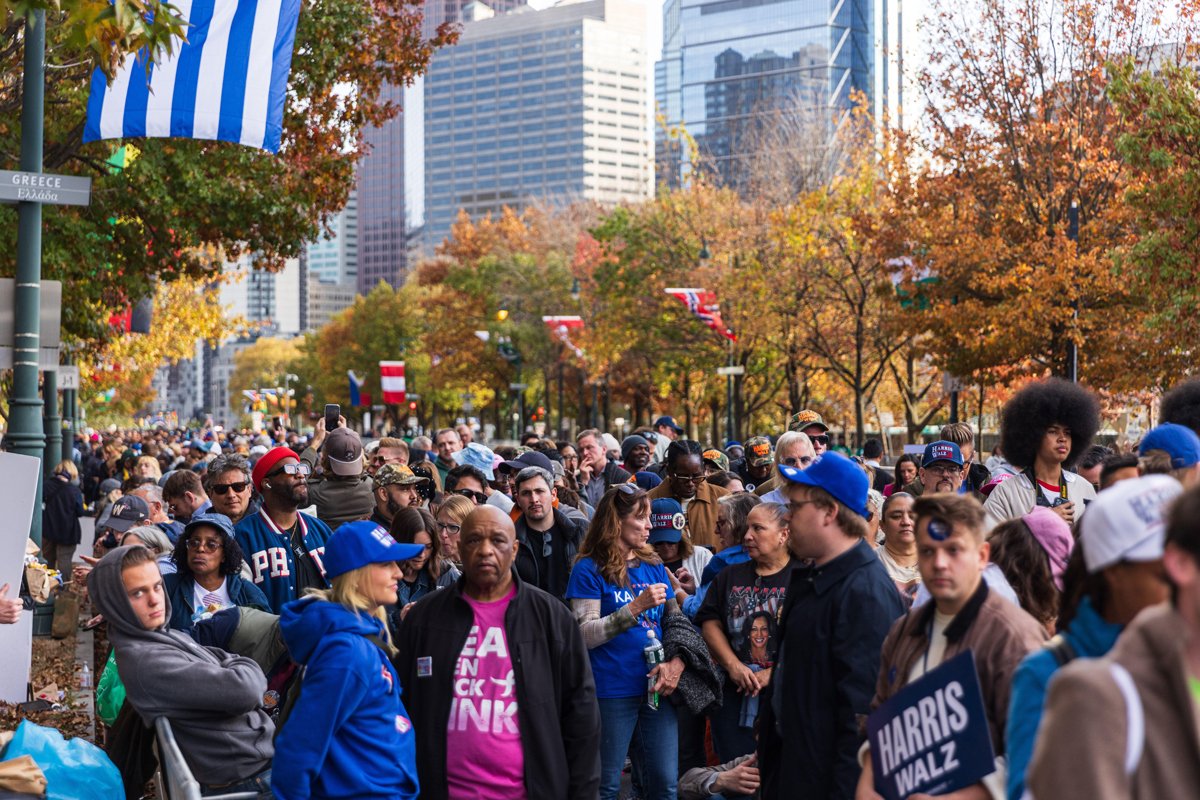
25	407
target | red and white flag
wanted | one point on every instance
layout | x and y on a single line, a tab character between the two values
703	303
561	328
391	381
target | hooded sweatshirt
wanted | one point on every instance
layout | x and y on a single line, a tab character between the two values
349	735
212	699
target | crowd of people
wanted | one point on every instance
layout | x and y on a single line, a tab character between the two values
436	618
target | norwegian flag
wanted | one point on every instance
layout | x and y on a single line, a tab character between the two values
703	304
561	327
391	381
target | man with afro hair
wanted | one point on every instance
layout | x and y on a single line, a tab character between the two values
1181	405
1044	428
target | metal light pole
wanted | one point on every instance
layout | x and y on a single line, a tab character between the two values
287	378
730	434
25	409
1072	347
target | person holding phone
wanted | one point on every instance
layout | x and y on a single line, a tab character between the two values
619	592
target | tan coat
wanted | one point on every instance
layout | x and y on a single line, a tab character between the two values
701	511
1081	746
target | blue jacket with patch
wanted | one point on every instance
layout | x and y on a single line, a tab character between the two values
271	561
348	735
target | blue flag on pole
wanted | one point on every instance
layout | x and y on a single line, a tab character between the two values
227	82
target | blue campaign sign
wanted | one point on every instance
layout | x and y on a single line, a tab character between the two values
932	736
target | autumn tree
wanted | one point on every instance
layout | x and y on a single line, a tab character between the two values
263	363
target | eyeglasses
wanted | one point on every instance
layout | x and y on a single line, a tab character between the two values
820	439
299	468
690	478
795	505
222	488
945	470
449	527
802	461
479	497
207	545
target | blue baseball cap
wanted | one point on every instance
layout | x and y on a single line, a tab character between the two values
212	519
1178	441
647	480
668	422
478	456
942	451
666	520
835	474
357	544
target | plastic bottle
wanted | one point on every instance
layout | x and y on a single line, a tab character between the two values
85	678
654	655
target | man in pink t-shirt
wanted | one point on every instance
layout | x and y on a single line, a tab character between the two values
497	681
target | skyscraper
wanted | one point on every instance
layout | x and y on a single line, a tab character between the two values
734	72
334	258
389	177
538	106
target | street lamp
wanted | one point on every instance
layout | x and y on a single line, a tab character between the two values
287	379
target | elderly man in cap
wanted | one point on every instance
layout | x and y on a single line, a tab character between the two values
499	682
283	546
125	512
341	492
755	467
667	430
835	616
941	470
396	488
813	426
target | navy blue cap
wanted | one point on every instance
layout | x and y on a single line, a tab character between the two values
647	480
669	422
942	451
837	475
218	521
666	520
357	544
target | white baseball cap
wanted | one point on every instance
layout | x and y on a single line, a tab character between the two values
1127	521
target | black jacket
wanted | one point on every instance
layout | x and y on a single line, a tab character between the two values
557	711
563	548
62	507
833	623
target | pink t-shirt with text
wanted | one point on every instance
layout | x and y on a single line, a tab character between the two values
484	760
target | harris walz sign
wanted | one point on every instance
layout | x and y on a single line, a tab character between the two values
932	736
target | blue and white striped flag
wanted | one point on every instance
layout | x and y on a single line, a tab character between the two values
227	82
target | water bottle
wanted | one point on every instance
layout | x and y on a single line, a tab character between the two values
654	655
85	678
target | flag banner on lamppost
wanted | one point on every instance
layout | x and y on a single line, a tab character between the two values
703	303
227	82
391	381
561	327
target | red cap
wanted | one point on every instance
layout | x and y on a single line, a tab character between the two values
268	462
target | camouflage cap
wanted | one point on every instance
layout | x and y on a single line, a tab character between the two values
717	459
397	474
758	452
806	419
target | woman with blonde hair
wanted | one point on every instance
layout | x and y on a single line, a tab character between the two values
348	734
792	449
620	592
450	517
147	467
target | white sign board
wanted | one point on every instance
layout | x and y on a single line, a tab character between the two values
68	378
18	490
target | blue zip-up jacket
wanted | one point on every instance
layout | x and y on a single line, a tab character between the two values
1091	637
349	735
181	590
270	559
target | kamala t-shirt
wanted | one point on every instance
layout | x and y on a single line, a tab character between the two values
484	760
748	605
619	665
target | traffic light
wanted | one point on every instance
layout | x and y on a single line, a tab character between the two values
412	405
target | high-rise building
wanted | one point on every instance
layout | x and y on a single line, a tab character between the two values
334	258
390	188
747	77
535	107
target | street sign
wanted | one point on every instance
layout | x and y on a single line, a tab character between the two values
738	370
518	387
951	383
39	187
68	377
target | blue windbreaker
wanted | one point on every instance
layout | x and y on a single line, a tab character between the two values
349	735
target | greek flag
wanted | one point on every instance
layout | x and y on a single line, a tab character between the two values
228	81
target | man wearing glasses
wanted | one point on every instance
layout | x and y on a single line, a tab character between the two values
685	480
283	547
391	450
813	426
230	488
941	469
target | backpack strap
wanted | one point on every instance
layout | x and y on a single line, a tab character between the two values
1135	735
1062	650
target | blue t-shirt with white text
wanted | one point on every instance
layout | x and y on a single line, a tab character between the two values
619	664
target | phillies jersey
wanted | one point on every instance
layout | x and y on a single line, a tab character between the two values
270	559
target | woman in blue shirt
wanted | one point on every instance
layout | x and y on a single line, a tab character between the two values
619	591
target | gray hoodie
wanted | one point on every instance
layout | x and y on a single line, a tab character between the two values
212	699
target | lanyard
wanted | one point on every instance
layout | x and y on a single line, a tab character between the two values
1039	496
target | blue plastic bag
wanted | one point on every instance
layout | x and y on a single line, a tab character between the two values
75	769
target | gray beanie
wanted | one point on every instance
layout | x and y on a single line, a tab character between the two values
631	442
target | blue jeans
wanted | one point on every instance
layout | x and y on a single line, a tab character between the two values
260	783
628	725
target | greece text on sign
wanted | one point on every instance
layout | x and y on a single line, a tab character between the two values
38	187
932	736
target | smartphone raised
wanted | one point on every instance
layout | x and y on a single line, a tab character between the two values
332	414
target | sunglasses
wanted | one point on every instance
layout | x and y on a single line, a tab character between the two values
299	468
237	488
479	497
802	461
207	545
820	439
